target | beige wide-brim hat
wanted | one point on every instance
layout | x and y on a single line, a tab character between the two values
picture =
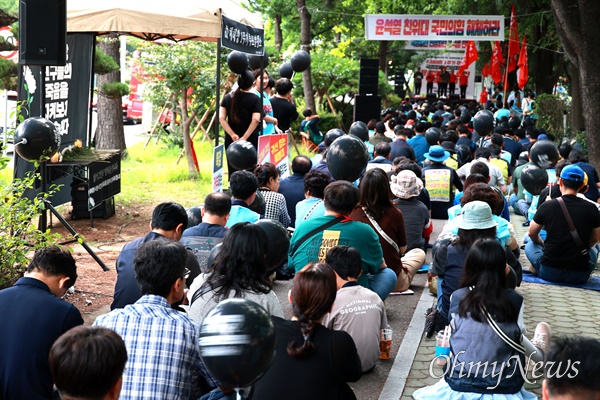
406	185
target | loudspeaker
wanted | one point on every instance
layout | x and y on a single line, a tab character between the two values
431	97
366	108
454	97
43	32
369	76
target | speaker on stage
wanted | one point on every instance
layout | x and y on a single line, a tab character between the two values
454	97
42	32
366	108
431	98
369	76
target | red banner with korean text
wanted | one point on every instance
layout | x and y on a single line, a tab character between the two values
470	57
513	42
496	63
523	75
274	149
434	27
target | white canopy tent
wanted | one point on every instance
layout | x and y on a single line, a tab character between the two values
157	19
174	20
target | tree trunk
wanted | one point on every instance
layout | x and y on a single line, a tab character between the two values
305	40
186	121
576	25
109	133
577	122
278	33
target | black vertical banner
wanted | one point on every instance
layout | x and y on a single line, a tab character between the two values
241	37
66	98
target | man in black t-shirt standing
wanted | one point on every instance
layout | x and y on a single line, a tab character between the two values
559	258
284	108
418	77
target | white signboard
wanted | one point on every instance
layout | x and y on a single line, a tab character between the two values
434	27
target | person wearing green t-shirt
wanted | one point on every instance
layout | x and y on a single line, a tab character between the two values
308	245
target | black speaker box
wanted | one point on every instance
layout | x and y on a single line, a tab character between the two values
366	108
454	97
43	32
431	97
369	76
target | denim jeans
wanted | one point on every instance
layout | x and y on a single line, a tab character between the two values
534	253
383	282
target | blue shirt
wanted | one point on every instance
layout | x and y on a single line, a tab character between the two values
241	213
420	146
32	319
163	353
312	203
292	188
206	230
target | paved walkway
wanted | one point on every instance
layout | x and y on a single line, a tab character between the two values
569	311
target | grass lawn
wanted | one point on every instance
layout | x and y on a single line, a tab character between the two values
150	176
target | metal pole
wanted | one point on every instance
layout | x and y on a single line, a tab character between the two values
5	140
218	93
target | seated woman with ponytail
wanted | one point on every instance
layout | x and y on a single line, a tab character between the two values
311	361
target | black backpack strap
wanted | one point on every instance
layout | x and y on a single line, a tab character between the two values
315	231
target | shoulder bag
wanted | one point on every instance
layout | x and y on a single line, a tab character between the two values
572	229
381	231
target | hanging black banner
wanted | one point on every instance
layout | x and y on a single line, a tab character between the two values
66	98
240	37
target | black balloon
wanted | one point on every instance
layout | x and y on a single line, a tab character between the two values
432	136
256	61
237	62
194	216
360	130
36	137
237	342
544	154
300	61
286	70
332	135
483	122
514	122
464	154
347	158
465	117
242	155
278	242
534	179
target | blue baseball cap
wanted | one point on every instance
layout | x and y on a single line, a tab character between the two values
572	173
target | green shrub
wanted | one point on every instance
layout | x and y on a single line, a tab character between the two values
115	90
550	111
103	63
19	234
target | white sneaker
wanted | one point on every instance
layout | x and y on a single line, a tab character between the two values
542	336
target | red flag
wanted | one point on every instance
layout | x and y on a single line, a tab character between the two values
523	75
513	42
485	71
496	62
469	58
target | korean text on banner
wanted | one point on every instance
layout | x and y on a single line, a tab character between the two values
240	37
434	27
217	177
274	149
